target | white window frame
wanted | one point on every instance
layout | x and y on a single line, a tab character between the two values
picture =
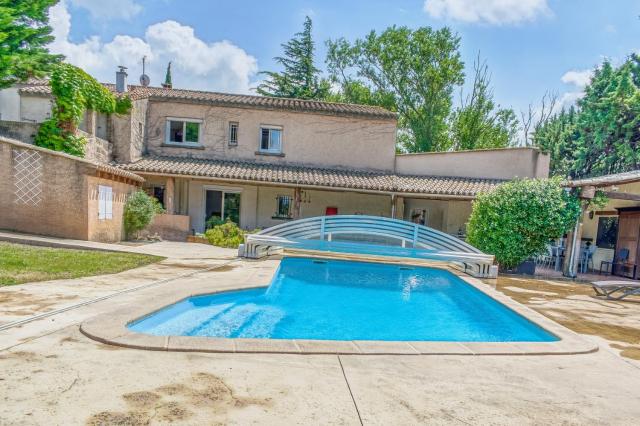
270	127
232	142
167	131
105	202
224	190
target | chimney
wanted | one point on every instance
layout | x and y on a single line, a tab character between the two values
121	79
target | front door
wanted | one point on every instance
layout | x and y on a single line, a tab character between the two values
222	205
629	236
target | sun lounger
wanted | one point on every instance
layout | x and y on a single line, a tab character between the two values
616	290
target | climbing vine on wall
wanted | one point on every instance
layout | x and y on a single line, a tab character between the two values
74	92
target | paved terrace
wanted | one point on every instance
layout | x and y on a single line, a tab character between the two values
52	374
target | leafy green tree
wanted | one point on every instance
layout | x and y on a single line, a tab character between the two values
480	123
300	78
24	33
602	135
557	136
139	211
409	71
516	220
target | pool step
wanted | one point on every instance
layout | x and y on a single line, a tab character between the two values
262	324
184	322
226	322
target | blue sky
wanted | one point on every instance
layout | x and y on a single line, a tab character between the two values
531	46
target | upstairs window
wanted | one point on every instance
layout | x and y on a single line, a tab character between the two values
105	202
271	139
233	133
183	131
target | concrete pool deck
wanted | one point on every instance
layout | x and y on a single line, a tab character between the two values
50	373
112	328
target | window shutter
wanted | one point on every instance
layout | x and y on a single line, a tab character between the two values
105	202
102	208
109	203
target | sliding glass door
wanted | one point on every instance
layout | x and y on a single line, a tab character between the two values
222	204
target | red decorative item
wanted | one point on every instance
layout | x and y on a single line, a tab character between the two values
331	211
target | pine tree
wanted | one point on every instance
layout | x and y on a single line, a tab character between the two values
300	77
602	135
24	33
168	84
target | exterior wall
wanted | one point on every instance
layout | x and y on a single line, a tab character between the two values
35	109
106	230
96	149
171	227
507	163
10	104
314	139
450	216
127	133
258	203
61	208
19	130
590	226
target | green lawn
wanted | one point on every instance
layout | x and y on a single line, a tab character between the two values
22	263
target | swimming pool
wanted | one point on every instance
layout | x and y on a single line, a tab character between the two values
346	300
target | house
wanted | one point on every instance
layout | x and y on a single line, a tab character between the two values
260	161
614	227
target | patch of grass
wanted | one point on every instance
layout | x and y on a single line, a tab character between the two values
23	263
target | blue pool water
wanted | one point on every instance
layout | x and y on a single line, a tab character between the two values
343	300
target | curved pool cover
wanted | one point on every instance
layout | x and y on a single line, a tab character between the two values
346	300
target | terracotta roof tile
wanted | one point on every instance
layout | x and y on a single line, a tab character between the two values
313	176
227	99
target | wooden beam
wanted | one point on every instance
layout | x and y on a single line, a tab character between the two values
297	198
621	196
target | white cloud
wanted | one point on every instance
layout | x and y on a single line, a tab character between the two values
578	78
494	12
109	9
196	64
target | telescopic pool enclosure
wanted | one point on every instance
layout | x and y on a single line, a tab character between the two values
371	237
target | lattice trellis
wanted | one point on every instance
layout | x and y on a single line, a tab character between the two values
27	176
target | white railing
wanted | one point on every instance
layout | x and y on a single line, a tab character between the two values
427	243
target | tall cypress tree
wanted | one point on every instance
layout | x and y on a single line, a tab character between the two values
24	33
300	77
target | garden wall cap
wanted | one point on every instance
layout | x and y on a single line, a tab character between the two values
106	168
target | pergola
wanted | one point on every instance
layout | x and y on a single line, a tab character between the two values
608	184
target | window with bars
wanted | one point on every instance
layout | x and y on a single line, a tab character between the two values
233	133
283	207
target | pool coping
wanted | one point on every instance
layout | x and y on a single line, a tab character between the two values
111	328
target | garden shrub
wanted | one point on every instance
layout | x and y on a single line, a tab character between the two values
226	235
139	211
213	221
519	218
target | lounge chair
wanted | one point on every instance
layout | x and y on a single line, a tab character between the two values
616	290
